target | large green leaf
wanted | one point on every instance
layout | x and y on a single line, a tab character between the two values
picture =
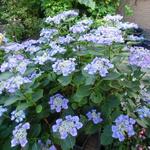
88	3
37	95
5	75
68	143
106	136
64	80
10	100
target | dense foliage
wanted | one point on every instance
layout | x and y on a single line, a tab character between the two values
22	18
82	76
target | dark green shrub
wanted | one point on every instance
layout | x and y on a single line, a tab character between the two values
22	18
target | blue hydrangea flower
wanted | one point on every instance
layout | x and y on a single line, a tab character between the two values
55	48
12	47
32	49
42	58
2	110
81	26
65	39
64	67
126	25
29	43
140	57
143	112
100	65
94	116
18	115
15	63
20	135
103	36
61	17
14	83
135	38
66	127
113	18
145	95
58	102
123	126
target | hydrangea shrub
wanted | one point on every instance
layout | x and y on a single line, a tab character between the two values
79	78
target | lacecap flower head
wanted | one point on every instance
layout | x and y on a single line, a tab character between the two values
58	102
143	112
18	115
94	116
123	126
20	135
100	65
64	67
69	126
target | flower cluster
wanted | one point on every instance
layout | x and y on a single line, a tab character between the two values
2	110
115	18
143	112
123	126
64	67
103	36
139	57
81	26
94	116
61	17
68	126
64	40
127	25
47	146
58	102
15	63
13	83
18	115
135	38
145	95
20	135
100	65
55	48
12	47
42	58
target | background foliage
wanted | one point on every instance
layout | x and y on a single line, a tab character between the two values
23	16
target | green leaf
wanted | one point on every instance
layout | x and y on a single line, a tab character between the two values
64	80
68	143
90	128
11	100
35	129
5	75
23	106
106	136
83	91
88	3
96	98
112	76
37	95
36	147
